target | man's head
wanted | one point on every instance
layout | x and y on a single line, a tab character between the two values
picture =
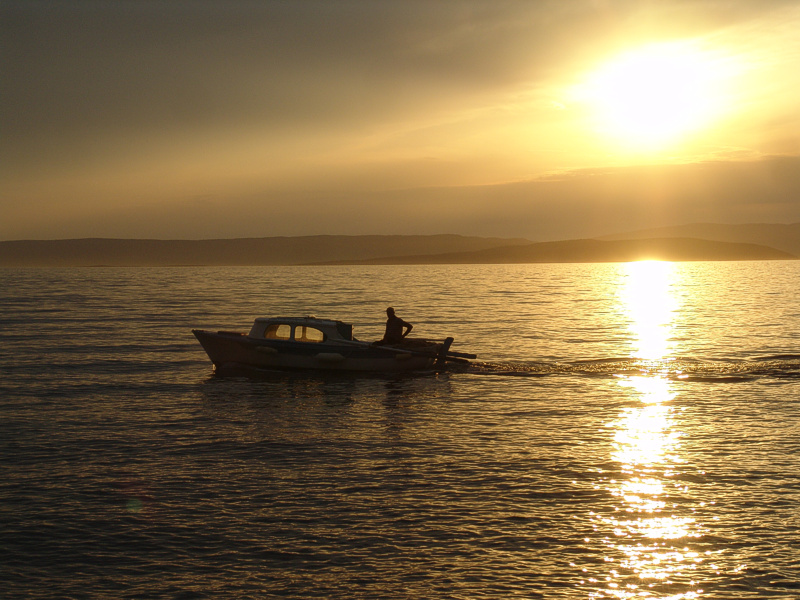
390	312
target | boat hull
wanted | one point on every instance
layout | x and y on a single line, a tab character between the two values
227	349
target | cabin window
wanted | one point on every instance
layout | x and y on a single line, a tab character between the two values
308	334
278	331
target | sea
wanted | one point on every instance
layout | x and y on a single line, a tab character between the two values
628	431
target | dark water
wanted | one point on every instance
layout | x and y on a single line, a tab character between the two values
629	431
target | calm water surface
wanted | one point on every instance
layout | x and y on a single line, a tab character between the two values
629	431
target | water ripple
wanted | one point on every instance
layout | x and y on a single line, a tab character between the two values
547	469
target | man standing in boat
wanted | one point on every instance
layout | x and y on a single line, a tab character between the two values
396	328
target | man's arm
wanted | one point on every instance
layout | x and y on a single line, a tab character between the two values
408	327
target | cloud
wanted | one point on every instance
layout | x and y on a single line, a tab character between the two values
120	112
87	66
583	203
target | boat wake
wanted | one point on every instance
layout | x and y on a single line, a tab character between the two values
777	367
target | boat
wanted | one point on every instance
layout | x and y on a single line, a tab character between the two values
309	343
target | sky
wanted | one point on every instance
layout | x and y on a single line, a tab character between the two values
546	119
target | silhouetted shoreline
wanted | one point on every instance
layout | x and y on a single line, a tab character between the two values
595	251
734	242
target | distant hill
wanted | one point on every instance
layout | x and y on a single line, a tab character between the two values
400	249
234	252
778	236
588	251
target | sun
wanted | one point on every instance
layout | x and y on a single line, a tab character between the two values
654	96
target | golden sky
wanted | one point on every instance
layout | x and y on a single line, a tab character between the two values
547	119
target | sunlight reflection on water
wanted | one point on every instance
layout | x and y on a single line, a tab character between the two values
649	298
648	535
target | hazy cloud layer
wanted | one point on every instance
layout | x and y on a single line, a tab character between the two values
586	203
192	119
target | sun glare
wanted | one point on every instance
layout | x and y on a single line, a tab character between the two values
656	95
650	300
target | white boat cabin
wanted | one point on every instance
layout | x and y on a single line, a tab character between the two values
301	329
